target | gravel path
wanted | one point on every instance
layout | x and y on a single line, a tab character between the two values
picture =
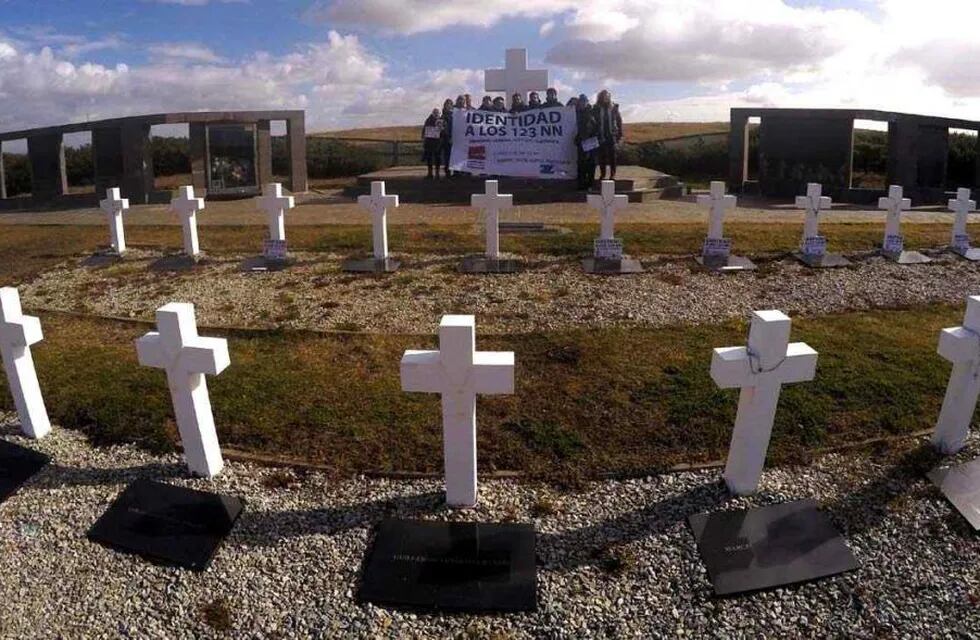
554	295
615	561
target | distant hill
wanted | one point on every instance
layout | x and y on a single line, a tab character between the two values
635	131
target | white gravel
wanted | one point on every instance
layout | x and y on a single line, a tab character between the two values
554	295
615	561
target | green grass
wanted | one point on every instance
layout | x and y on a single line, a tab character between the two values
590	401
27	249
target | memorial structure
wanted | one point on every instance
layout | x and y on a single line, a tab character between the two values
230	154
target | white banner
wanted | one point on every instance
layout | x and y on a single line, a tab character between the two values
533	144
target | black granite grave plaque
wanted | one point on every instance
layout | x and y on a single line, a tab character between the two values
961	486
167	524
765	547
457	566
17	465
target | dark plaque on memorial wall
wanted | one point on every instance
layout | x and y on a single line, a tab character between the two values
167	524
18	465
767	547
452	566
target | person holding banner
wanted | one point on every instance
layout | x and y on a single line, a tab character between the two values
446	147
610	132
551	99
499	105
517	104
534	101
432	142
586	143
486	104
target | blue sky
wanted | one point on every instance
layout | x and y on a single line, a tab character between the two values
356	63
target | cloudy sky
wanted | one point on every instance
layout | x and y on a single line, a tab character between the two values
352	63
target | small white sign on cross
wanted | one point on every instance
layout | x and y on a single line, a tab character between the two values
813	203
760	370
17	333
275	205
607	203
459	372
492	204
962	206
114	206
377	203
961	346
515	77
894	204
186	206
187	357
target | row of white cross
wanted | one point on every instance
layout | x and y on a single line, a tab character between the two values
492	202
459	373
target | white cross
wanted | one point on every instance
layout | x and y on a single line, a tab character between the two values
962	206
760	370
114	207
515	77
814	203
275	205
894	204
492	204
961	346
718	203
459	372
187	357
377	203
17	333
186	206
608	203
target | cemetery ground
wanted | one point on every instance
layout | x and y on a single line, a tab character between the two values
614	432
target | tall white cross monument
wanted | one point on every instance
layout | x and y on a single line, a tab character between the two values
894	204
377	203
187	357
17	333
459	372
114	207
607	203
813	204
186	206
760	370
961	346
718	202
515	77
492	202
962	206
275	205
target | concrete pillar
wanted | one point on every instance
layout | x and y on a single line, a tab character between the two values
49	179
107	157
3	176
296	145
903	157
738	152
932	147
137	162
199	156
263	146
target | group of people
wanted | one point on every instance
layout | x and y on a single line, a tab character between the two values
599	128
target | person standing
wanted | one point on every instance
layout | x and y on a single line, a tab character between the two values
609	132
486	104
534	101
499	106
517	104
585	139
432	143
447	134
468	102
551	98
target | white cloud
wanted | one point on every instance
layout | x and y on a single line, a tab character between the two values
190	51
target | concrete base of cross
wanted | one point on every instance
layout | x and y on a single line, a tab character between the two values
823	261
371	265
906	257
972	254
726	263
482	264
612	266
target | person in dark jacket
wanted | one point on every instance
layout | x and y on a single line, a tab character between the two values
432	144
460	102
499	105
468	102
534	101
447	134
517	104
486	104
584	133
609	131
551	99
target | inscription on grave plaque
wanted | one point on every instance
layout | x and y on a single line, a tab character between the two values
274	250
894	244
815	246
717	247
608	248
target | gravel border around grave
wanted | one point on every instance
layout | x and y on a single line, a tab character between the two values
552	295
614	561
